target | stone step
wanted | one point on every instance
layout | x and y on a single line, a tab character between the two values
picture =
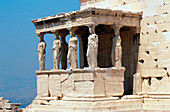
138	110
157	101
156	106
115	108
157	110
82	108
90	103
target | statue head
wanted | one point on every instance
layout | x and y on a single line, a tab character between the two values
56	35
72	33
41	37
91	29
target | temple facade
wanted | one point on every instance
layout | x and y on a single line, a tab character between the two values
123	57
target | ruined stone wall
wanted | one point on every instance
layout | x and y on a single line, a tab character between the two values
6	106
154	49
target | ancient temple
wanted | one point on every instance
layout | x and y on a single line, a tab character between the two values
123	58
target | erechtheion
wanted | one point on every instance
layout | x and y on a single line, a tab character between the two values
124	58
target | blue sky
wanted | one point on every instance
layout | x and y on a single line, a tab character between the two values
18	44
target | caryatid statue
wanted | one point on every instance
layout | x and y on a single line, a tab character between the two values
92	51
41	52
64	51
116	54
72	51
56	50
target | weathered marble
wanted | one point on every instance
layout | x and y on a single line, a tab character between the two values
56	50
116	48
72	51
141	45
5	106
92	51
41	52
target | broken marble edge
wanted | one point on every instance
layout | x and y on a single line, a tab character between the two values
61	15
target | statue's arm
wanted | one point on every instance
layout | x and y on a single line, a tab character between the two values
96	44
68	56
44	45
87	52
38	50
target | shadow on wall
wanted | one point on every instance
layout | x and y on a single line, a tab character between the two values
130	49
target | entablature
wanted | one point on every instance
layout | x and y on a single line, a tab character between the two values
86	17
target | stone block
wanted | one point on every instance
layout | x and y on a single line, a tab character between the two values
98	85
156	37
1	99
115	2
83	76
115	76
114	88
157	85
166	2
153	20
115	72
138	5
42	85
137	86
167	20
129	1
165	27
11	106
164	9
67	85
6	101
164	63
167	36
145	30
84	88
54	85
163	46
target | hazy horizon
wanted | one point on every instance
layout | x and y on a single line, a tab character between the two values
18	48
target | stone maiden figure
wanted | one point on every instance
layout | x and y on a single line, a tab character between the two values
72	51
116	54
56	50
41	52
92	50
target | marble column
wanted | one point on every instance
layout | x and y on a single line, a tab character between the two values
64	51
92	50
41	52
72	51
116	54
56	50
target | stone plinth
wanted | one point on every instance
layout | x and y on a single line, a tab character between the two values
80	83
